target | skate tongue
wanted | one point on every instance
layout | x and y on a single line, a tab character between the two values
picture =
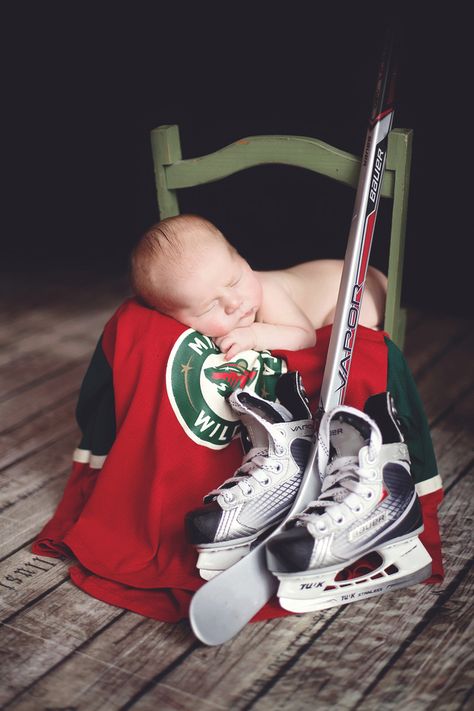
347	434
271	412
256	414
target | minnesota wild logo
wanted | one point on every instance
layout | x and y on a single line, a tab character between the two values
230	376
198	380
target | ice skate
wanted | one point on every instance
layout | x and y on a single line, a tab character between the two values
368	510
262	490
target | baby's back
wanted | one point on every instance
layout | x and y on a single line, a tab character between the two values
314	286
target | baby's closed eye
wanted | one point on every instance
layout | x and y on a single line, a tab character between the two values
209	308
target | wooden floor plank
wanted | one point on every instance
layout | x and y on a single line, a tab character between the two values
105	651
109	669
31	403
22	650
30	491
432	336
33	434
53	298
25	578
147	650
27	477
453	440
107	693
39	647
56	326
450	377
414	317
437	669
35	366
28	516
26	323
49	311
86	330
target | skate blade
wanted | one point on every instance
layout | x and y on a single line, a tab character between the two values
405	563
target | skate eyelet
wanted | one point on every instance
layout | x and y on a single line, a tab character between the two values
369	494
266	481
340	520
321	527
371	459
278	467
229	497
357	509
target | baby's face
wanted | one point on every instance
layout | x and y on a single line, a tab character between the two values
220	294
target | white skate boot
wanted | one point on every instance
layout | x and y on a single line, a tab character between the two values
262	490
368	509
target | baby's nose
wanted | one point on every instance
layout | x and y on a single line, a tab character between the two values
232	304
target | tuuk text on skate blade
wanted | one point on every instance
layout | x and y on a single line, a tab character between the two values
404	563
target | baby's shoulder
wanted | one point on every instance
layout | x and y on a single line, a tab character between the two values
316	268
275	281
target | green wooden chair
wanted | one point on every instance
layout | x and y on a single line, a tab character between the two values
173	173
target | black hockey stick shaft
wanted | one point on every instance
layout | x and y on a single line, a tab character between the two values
223	606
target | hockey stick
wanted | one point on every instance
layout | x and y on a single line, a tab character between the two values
356	261
222	607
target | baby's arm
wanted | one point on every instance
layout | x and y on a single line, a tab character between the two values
281	325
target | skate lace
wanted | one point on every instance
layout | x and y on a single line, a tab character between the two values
256	465
342	477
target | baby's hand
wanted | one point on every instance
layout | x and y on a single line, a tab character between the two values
237	340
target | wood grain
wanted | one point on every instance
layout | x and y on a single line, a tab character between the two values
31	435
429	336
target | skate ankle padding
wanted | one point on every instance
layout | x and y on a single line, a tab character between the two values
381	408
292	395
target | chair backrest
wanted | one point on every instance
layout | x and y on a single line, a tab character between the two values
173	173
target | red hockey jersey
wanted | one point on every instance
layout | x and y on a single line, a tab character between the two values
158	434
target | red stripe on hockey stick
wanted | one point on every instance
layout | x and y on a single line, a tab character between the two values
369	231
380	116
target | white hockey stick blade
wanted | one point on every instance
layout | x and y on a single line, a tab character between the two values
224	605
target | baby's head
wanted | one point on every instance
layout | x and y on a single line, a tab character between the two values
184	267
166	254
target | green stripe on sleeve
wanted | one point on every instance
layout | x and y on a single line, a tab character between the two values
95	411
402	386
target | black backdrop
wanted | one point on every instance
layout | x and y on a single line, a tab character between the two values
85	84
